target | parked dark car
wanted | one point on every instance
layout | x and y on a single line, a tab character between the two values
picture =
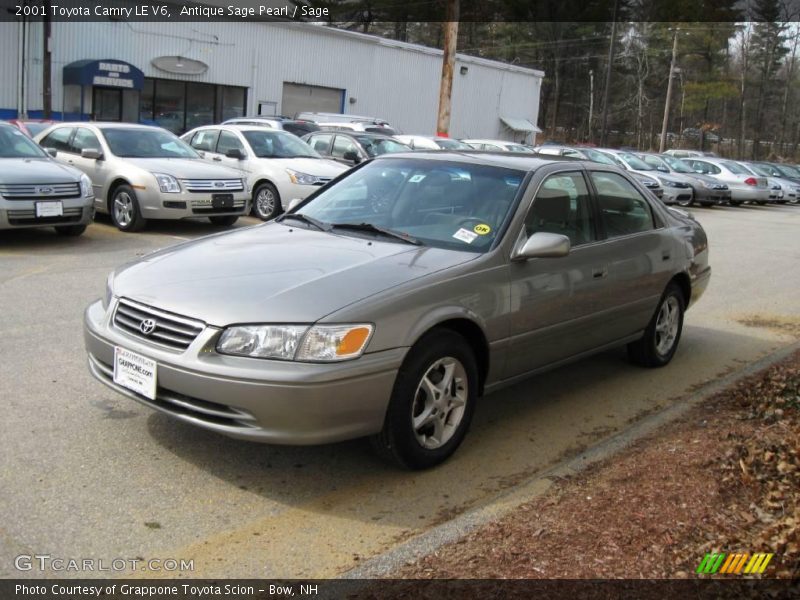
350	147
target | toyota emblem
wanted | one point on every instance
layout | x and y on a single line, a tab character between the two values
147	326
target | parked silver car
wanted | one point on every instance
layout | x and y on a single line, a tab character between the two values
36	191
474	272
744	184
676	191
140	172
707	191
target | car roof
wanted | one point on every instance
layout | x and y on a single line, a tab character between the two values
106	125
523	161
352	133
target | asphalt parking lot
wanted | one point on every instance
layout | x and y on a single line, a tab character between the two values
88	474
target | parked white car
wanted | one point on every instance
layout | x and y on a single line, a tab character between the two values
501	145
278	166
348	122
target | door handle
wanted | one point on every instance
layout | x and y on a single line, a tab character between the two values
665	255
599	272
217	158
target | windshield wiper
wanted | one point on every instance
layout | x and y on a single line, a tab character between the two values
306	219
369	227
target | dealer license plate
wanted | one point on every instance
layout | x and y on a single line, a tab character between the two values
135	372
49	209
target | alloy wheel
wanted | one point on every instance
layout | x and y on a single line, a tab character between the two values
439	403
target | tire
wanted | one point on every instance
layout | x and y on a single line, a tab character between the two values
71	230
224	221
761	203
654	349
794	200
735	202
415	392
685	203
266	202
125	211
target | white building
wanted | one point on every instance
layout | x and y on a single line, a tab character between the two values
184	74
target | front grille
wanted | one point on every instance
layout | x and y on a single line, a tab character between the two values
212	185
168	329
206	203
28	217
179	404
39	191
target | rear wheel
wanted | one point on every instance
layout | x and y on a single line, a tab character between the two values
125	212
266	201
432	402
660	340
71	230
224	221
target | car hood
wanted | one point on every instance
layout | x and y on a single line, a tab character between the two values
321	167
36	170
185	168
275	273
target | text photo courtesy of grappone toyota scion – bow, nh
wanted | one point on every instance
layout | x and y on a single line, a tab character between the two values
364	299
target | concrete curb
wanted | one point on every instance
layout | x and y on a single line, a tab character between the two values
432	539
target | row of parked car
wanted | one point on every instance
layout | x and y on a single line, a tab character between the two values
688	177
64	173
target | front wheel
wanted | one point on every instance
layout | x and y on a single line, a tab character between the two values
266	202
224	221
660	340
432	402
125	211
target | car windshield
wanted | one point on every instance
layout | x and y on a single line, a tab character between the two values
36	128
765	170
599	157
788	171
736	168
15	144
452	145
459	206
268	143
635	163
677	165
375	146
146	143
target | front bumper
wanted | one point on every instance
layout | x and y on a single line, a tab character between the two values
706	196
184	205
674	195
259	400
18	214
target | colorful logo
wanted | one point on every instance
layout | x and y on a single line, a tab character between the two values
734	564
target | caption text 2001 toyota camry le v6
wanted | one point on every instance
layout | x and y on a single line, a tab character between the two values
385	304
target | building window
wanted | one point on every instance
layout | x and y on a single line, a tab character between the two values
181	105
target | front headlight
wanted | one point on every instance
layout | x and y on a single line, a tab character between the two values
167	183
667	183
321	343
86	186
109	294
301	178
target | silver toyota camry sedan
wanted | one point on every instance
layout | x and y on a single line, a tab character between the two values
388	302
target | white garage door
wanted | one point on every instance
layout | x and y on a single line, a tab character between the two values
298	97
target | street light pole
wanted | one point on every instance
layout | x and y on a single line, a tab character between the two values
662	145
591	103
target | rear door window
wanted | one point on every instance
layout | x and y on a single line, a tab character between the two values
623	210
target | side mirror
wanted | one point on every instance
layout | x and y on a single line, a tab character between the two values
235	153
352	156
52	152
543	245
92	153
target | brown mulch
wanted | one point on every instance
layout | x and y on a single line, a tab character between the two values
724	478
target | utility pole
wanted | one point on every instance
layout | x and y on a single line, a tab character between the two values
604	127
591	103
450	27
662	145
47	61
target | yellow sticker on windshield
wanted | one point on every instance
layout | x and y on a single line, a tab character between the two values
481	229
